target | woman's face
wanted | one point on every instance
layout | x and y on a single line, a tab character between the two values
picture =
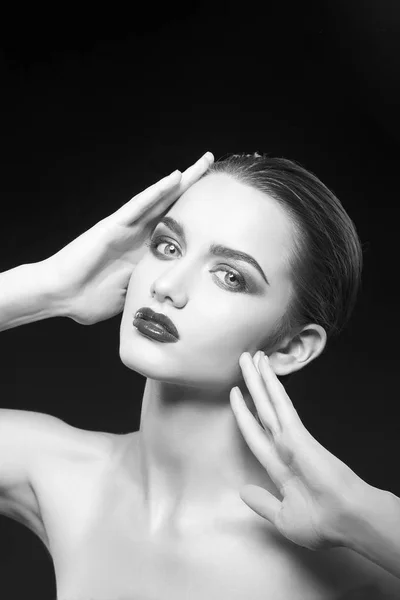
220	306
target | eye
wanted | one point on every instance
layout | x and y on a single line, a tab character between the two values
242	283
154	242
242	287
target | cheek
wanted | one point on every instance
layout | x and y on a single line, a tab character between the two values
134	280
246	332
139	279
221	333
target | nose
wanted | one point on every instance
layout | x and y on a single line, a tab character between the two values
172	284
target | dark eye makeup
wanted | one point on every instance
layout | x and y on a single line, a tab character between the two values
156	240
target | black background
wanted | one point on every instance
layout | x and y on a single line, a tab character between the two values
95	107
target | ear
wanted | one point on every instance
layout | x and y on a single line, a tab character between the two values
297	351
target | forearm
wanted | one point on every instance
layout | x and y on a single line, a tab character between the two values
373	529
26	295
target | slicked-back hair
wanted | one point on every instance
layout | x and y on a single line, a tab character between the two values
327	259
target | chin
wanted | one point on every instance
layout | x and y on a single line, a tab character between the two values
139	361
132	358
126	358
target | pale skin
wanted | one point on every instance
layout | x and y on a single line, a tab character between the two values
184	405
200	462
316	487
321	495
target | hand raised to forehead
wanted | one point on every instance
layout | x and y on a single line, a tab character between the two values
158	198
91	274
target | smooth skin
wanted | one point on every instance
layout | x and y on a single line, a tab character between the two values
317	488
93	271
87	279
324	503
83	283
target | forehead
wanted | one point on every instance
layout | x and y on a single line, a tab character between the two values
219	209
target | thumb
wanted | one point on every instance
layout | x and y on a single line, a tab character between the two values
261	501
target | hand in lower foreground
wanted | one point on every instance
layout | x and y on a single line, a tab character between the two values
318	489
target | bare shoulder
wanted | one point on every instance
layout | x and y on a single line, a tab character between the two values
33	447
27	436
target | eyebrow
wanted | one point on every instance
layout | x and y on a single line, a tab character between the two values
214	249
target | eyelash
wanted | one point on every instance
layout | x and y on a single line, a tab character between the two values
154	242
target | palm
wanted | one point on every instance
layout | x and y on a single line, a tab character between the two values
95	268
297	518
316	486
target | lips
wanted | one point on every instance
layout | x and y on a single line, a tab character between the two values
148	314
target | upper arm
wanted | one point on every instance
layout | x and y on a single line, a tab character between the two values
25	437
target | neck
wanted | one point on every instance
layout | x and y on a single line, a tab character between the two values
193	457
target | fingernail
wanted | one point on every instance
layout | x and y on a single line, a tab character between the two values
175	173
237	391
209	156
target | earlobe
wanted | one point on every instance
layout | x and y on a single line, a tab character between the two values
298	351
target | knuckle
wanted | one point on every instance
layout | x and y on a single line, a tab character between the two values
285	446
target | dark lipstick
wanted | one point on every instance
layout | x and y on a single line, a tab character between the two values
155	325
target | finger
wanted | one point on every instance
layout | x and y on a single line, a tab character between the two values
195	171
157	198
286	412
261	501
192	174
139	205
259	393
257	439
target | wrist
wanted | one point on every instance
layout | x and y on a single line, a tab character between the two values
363	513
372	529
54	300
28	294
351	512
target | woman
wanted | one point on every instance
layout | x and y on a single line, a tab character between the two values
204	501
